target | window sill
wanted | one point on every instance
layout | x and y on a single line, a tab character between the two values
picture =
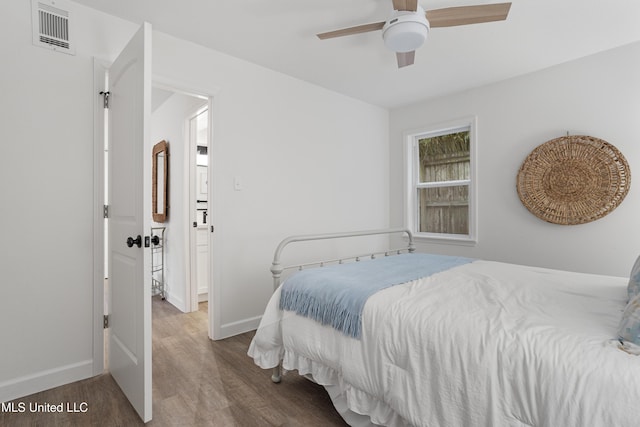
448	240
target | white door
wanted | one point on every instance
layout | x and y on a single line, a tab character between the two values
129	279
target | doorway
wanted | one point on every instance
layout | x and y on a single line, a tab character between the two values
198	125
182	119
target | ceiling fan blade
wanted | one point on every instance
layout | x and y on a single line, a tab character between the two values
411	5
351	30
465	15
405	58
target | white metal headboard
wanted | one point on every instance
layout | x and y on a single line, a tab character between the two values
277	268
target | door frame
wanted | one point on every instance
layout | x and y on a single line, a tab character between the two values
99	241
211	94
191	239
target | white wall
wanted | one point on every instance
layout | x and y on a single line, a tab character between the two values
168	123
598	96
310	160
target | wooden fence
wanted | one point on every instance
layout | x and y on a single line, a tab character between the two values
444	209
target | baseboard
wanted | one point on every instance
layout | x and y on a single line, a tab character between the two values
239	327
203	296
45	380
176	301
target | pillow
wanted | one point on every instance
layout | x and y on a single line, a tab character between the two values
633	288
629	329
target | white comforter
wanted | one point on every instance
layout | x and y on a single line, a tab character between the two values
484	344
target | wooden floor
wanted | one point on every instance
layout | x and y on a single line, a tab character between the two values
196	382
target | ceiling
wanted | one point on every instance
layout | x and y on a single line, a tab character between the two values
280	35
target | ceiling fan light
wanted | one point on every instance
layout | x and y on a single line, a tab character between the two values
406	33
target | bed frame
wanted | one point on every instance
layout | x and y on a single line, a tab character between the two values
277	269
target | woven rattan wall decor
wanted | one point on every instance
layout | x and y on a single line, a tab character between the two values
573	180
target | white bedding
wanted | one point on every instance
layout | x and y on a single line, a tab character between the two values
483	344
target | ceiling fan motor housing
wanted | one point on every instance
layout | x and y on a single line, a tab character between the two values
406	31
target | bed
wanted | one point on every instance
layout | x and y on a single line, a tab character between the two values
478	343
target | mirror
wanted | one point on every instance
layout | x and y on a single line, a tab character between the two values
160	174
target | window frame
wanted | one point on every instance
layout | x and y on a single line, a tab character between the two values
412	180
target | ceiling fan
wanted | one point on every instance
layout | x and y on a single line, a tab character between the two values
408	26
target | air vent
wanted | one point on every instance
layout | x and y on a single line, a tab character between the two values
51	26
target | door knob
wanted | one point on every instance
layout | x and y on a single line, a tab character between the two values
137	241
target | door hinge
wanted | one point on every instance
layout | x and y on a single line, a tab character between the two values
105	321
105	98
105	211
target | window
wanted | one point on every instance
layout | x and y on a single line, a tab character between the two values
440	189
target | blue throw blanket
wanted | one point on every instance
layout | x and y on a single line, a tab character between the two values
335	295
